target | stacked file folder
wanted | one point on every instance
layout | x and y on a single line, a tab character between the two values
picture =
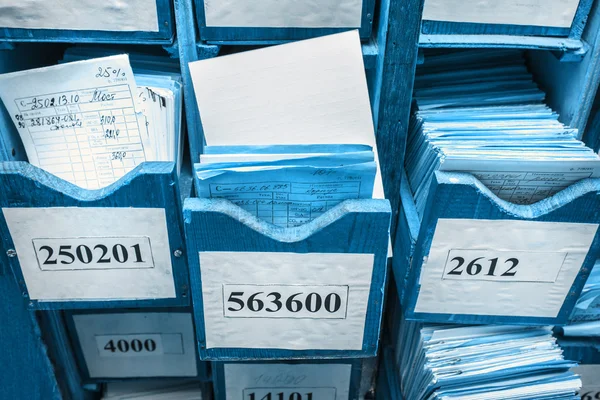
482	362
288	129
92	120
481	112
153	390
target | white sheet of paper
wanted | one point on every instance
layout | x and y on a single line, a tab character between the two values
94	228
554	13
222	270
325	381
78	120
173	334
308	92
506	294
106	15
284	13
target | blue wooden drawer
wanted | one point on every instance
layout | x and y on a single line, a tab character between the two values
140	21
388	379
135	344
245	21
558	25
587	353
264	292
461	201
316	379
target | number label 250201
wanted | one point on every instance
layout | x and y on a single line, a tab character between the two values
93	253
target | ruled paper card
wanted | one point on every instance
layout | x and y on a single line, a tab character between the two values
78	120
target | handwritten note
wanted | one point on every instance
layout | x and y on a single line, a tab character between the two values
78	120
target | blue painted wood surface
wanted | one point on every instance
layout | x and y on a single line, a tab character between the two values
388	381
582	350
77	353
460	195
164	35
466	28
354	226
356	375
27	372
150	185
258	35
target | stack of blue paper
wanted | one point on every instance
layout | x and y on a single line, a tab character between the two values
481	112
452	362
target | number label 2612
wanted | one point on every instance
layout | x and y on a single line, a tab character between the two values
503	266
84	253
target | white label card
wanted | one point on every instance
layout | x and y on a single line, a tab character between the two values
299	301
279	381
502	267
107	15
128	345
71	253
590	381
554	13
285	301
283	13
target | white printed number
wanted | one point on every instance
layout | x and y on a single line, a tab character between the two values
93	253
285	301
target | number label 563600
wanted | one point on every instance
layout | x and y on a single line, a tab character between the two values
285	301
505	266
93	253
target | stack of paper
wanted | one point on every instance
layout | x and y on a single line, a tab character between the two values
153	390
585	319
90	122
481	112
483	362
288	129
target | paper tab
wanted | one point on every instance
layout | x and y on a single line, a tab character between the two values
256	282
88	15
553	13
296	381
71	253
502	267
78	120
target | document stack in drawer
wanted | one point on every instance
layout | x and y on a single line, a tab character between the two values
483	362
481	112
90	122
288	129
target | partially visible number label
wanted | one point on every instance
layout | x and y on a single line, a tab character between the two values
93	253
129	345
591	395
290	394
510	266
285	301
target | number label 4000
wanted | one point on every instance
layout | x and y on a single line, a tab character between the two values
285	301
93	253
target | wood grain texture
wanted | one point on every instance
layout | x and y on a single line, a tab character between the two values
582	350
218	369
260	35
150	185
388	383
571	87
165	34
354	226
591	137
393	79
460	195
28	372
500	41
